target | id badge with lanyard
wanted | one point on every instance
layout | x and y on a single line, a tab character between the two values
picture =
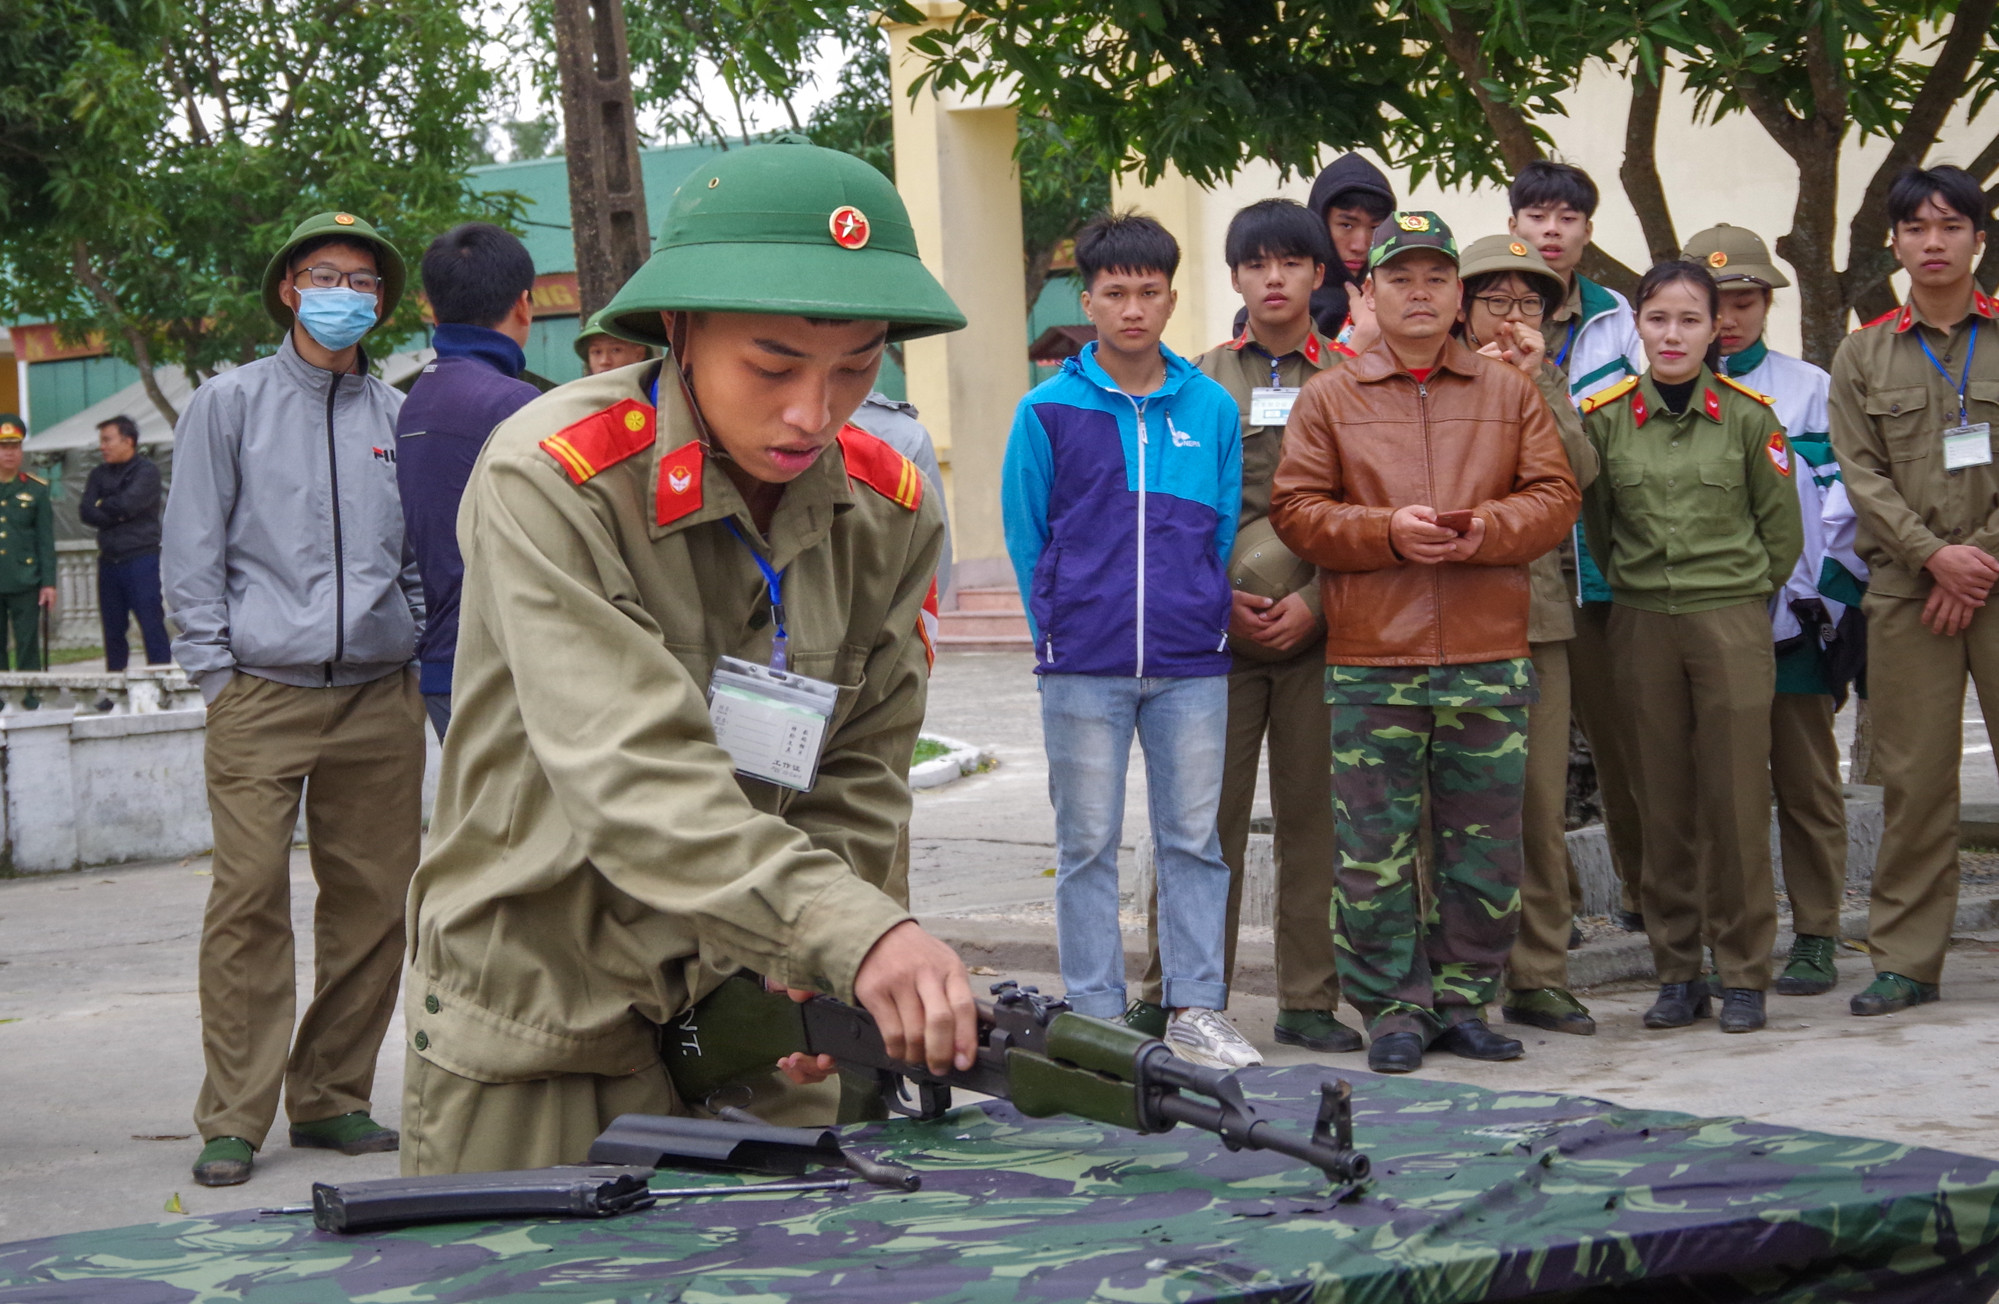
1968	443
773	723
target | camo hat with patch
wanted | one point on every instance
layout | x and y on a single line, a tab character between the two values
1411	229
788	229
348	227
1735	253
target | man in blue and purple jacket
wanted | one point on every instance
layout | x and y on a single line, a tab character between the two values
477	279
1122	483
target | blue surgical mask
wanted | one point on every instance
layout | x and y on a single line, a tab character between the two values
336	316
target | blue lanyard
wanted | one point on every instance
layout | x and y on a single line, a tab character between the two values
774	580
1271	358
1562	360
1963	417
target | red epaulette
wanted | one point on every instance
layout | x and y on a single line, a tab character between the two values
1898	318
602	439
881	468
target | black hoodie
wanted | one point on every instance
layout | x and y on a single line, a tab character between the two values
1347	172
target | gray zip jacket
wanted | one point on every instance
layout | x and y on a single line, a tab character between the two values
283	554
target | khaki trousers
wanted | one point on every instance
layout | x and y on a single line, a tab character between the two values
361	747
1549	892
1701	685
1605	717
1285	702
1811	809
458	1125
1916	696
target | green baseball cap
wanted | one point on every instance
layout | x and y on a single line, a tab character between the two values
349	227
13	430
1410	229
788	229
1509	253
1735	253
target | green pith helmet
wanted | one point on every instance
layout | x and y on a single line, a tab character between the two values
1262	566
1735	253
1508	253
349	227
788	229
593	330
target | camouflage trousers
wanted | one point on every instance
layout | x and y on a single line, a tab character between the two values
1406	964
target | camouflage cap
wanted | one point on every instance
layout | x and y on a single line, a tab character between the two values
13	430
349	227
1735	253
788	229
1410	229
1508	253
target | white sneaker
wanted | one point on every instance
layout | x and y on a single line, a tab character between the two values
1205	1037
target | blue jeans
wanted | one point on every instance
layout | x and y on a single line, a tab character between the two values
1182	724
126	589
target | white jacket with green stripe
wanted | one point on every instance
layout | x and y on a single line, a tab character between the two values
1605	350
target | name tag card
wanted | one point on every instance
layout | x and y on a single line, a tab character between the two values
1270	406
1965	446
771	722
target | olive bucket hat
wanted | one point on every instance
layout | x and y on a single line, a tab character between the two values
1509	253
348	227
1735	253
789	229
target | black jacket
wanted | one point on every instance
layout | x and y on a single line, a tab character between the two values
1345	173
122	503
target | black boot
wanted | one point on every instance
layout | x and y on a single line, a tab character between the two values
1679	1004
1741	1010
1395	1052
1472	1039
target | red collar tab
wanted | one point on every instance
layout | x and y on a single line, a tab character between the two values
678	493
1905	319
1312	350
1241	339
602	439
882	469
1886	317
1638	409
1711	404
1982	304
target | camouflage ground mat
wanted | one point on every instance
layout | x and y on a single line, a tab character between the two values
1476	1195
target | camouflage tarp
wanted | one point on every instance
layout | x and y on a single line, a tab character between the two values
1477	1195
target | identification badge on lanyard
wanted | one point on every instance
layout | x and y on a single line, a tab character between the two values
771	722
1270	406
1966	446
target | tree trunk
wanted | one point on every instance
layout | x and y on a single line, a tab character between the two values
1640	171
607	201
135	339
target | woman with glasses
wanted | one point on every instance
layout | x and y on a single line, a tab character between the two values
1508	290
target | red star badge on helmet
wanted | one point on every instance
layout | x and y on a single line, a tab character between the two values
850	227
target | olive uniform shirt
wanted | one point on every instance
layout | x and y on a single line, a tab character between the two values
1695	511
1551	612
27	535
1889	408
595	863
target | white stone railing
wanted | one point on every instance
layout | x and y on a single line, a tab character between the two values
138	691
75	622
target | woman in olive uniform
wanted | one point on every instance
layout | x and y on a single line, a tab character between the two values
1509	290
1695	523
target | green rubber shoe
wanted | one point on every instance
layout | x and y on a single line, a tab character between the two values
350	1134
1317	1030
1553	1008
1146	1017
1810	970
1891	993
225	1161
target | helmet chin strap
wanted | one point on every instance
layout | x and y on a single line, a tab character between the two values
679	326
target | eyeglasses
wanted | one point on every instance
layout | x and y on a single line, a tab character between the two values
325	277
1501	305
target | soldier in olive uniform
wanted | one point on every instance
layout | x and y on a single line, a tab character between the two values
1914	396
607	846
602	351
27	550
1278	254
1695	524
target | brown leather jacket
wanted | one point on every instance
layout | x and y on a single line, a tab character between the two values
1366	439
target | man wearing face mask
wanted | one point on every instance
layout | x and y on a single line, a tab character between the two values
298	608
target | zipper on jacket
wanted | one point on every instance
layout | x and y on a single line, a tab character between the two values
1430	473
1138	406
339	550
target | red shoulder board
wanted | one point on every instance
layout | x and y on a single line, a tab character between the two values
679	490
1779	450
601	439
881	468
1882	320
1242	338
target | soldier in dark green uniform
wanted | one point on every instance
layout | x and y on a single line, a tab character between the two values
27	550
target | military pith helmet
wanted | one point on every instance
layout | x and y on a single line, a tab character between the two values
1410	229
13	430
349	227
1508	253
593	330
1262	566
1735	253
788	229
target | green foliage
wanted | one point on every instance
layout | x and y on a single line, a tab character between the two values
856	117
173	144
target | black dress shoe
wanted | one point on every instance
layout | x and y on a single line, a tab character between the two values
1629	920
1741	1010
1679	1004
1396	1052
1473	1040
